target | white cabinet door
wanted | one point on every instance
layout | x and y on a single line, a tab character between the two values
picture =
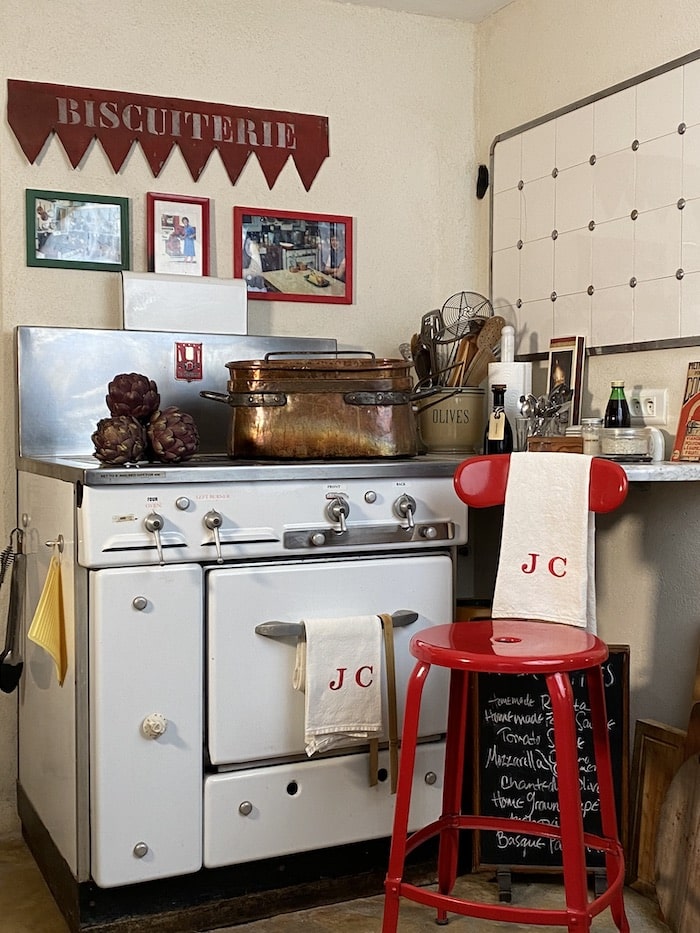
146	657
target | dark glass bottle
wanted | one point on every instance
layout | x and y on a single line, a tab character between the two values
498	437
617	413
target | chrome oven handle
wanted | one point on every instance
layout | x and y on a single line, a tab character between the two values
275	629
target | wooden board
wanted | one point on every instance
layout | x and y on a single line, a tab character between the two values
657	756
678	850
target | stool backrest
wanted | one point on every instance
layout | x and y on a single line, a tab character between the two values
481	482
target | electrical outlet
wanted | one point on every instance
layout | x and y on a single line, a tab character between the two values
648	406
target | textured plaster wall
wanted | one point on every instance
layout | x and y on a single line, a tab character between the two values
535	57
399	93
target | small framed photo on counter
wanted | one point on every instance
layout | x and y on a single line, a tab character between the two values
177	231
77	231
566	359
293	256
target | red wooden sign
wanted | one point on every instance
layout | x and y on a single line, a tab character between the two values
119	119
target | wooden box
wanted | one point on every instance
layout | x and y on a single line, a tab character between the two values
558	444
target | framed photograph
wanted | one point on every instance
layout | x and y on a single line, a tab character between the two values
77	231
177	231
566	358
291	256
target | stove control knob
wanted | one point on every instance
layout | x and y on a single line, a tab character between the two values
404	507
318	539
245	808
154	523
154	725
182	503
429	532
140	849
213	521
338	510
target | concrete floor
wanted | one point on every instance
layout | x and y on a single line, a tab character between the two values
26	906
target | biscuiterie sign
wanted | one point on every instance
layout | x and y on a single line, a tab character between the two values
118	119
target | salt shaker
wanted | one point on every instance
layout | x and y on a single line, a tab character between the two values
590	432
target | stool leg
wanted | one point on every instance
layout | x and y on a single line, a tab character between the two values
569	794
452	788
402	805
603	763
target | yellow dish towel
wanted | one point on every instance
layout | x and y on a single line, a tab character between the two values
48	628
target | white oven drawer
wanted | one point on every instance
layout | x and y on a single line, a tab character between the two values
254	712
266	812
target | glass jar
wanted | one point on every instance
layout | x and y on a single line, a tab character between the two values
590	432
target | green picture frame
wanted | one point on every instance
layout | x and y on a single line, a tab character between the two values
66	230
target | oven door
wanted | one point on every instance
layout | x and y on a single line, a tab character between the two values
254	713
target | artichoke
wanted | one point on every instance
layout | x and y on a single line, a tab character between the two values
119	440
133	394
173	435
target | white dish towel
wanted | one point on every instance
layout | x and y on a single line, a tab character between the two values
339	669
546	567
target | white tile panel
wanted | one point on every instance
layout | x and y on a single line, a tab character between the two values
660	104
690	305
574	137
538	151
506	218
537	270
690	245
657	243
658	172
573	202
614	122
507	170
572	261
691	93
505	278
657	309
612	316
613	253
535	327
572	315
537	209
613	185
690	183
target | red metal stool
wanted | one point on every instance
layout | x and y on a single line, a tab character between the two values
551	650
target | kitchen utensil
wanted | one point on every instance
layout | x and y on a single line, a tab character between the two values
489	335
11	663
461	312
288	406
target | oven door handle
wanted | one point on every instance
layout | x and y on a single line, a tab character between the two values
274	629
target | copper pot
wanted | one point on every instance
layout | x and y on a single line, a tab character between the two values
317	408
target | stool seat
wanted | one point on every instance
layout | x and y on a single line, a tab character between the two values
509	646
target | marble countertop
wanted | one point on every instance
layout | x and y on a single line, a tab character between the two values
662	471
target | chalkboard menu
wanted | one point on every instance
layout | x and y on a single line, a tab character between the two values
515	755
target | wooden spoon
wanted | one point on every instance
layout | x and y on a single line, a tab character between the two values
489	335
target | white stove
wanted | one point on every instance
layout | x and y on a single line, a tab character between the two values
175	748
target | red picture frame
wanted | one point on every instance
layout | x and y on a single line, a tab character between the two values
293	255
177	232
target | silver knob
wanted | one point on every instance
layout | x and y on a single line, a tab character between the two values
154	523
370	496
140	849
318	539
139	602
213	521
405	506
338	510
429	532
245	808
431	778
182	503
154	725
